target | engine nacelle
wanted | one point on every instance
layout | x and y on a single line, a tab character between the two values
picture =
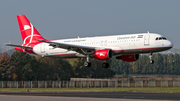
129	58
103	54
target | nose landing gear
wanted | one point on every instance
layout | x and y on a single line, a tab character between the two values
150	57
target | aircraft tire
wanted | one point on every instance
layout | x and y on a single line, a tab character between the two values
152	61
87	64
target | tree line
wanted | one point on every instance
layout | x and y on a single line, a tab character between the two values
21	66
24	67
164	64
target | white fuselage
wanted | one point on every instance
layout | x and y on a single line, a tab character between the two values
120	44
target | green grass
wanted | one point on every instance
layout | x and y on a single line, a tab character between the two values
118	89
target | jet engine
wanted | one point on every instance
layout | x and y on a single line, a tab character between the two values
129	58
103	54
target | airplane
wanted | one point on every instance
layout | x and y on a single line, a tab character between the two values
125	47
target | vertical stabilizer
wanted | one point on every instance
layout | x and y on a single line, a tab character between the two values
28	32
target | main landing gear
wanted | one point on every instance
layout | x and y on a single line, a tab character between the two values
150	57
88	63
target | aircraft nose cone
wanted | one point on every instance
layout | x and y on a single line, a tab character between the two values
170	44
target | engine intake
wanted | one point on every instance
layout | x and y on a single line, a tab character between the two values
103	54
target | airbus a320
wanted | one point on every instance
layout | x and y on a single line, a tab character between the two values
125	47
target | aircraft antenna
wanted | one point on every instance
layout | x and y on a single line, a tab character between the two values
148	32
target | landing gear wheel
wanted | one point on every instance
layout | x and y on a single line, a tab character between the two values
152	61
150	57
105	65
87	64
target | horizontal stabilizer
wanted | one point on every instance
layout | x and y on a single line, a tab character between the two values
26	47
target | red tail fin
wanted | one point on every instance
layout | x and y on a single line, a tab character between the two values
28	32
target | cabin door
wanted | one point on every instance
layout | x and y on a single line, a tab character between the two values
146	39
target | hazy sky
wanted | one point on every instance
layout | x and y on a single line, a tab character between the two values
58	19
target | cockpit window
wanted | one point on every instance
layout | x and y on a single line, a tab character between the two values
164	38
161	38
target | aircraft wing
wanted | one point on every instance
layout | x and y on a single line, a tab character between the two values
78	48
26	47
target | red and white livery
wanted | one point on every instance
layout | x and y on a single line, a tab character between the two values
124	47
